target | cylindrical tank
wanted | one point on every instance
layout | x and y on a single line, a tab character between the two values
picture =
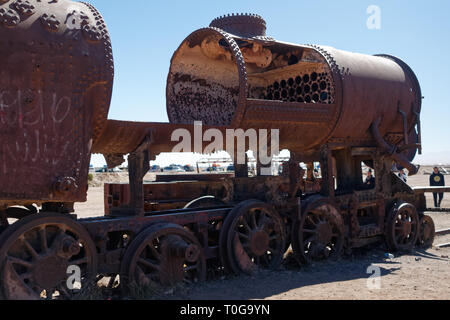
232	74
56	75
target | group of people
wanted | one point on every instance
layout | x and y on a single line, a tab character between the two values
436	180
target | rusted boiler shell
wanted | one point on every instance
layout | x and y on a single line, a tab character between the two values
230	75
56	75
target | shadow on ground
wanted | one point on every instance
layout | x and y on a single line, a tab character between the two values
271	283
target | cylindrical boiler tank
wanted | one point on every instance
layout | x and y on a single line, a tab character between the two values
232	74
56	74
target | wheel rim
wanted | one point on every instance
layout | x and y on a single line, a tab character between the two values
36	253
255	238
403	227
166	254
318	235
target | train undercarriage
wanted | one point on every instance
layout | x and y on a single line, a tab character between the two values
235	225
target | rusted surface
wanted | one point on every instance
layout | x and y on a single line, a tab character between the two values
55	90
167	195
36	252
165	254
56	73
121	137
236	76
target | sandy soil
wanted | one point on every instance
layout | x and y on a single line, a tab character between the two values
419	275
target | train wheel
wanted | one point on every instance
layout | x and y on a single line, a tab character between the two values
402	230
35	255
318	234
165	254
255	238
427	232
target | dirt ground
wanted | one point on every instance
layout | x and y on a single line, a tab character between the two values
418	275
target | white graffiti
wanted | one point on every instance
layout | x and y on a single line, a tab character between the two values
32	125
14	113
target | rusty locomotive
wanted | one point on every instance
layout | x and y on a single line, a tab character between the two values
342	110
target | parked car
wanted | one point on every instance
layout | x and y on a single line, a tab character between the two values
155	168
188	168
173	168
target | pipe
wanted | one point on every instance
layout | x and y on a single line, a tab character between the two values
392	150
405	124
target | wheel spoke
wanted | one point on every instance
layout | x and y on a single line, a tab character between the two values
253	221
155	252
29	248
243	235
262	221
43	236
149	264
21	262
245	224
310	219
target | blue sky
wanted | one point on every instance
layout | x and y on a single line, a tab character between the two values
146	33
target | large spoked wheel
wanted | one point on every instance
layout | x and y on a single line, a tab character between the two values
402	230
164	254
252	238
427	232
318	234
35	255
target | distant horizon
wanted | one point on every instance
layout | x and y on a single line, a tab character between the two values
166	159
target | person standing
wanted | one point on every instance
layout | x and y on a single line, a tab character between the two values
437	180
370	180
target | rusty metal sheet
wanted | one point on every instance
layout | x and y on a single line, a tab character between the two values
159	196
56	74
232	74
123	137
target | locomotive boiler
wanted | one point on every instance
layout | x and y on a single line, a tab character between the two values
339	113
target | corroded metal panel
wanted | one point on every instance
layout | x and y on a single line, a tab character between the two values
56	73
